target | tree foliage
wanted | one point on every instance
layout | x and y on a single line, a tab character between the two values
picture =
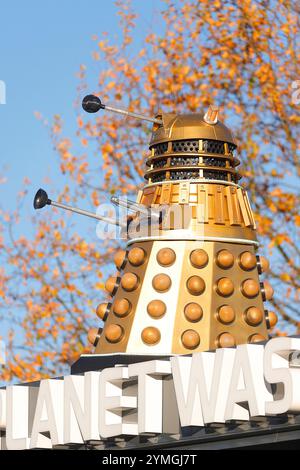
242	55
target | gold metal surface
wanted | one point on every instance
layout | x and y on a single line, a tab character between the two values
204	300
190	126
222	204
212	325
216	210
193	287
104	346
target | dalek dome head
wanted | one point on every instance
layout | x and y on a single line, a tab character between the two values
190	126
184	146
191	147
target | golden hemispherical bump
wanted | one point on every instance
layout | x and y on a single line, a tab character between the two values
156	308
195	285
226	340
256	338
94	335
113	333
199	258
226	314
225	259
264	263
136	256
268	290
190	339
193	312
250	288
101	311
111	284
150	335
166	257
273	319
161	282
129	281
248	261
253	316
120	259
225	287
122	307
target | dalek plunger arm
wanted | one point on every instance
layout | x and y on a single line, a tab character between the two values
41	200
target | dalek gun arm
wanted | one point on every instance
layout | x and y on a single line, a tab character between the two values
41	200
138	209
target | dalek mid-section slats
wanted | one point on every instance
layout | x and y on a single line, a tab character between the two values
222	204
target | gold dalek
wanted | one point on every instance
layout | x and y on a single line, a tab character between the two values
188	280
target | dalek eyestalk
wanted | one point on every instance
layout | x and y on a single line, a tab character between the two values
93	104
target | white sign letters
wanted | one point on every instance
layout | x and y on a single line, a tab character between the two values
208	387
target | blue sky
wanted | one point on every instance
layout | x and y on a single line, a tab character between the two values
42	45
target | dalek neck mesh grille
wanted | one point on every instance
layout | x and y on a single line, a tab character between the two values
193	146
160	163
159	149
205	153
185	146
213	146
212	161
190	175
189	161
181	161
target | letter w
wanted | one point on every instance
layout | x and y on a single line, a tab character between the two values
201	386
